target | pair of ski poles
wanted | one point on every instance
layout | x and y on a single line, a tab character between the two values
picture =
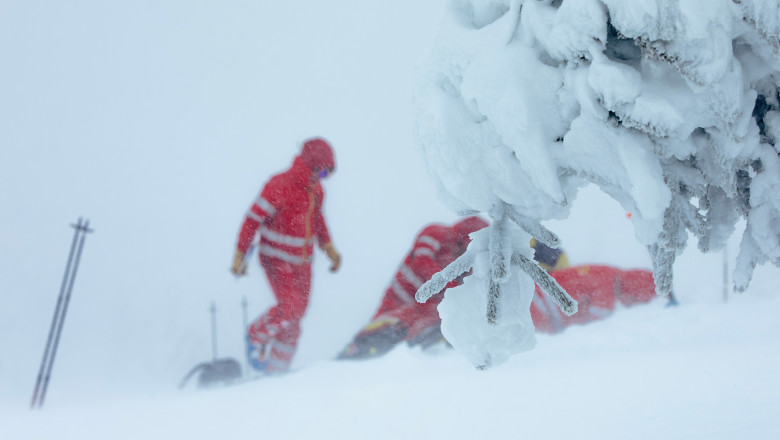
55	331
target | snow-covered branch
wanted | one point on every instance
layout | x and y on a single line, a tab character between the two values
440	280
502	254
547	283
671	108
532	227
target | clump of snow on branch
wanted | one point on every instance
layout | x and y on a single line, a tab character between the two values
670	107
489	335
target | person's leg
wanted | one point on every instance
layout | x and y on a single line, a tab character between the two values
380	335
274	336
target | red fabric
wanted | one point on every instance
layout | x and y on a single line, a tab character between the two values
288	213
635	286
435	247
597	289
468	225
280	326
317	154
290	204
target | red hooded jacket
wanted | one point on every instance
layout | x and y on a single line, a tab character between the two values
434	248
288	211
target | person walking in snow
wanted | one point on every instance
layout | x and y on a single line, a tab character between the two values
288	214
400	318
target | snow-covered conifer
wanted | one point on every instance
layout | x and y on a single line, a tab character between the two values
670	106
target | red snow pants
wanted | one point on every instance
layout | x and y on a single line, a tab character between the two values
279	327
597	289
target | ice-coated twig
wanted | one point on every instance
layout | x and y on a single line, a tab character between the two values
494	293
501	260
747	259
663	260
499	244
440	279
539	232
500	248
663	251
549	286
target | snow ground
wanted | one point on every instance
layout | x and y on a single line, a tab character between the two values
705	371
160	121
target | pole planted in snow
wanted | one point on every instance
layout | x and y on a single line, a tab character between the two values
55	318
60	311
725	274
244	310
214	330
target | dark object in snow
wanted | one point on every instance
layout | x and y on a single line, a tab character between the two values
218	371
53	340
375	340
549	258
429	337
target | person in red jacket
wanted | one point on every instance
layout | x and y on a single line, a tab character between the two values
400	318
288	215
598	290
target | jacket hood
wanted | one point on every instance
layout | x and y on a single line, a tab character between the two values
317	155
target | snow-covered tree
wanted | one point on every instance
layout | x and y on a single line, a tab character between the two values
670	106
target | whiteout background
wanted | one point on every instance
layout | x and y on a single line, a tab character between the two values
160	122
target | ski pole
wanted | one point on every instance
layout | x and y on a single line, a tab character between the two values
726	274
84	230
81	229
214	330
244	307
56	316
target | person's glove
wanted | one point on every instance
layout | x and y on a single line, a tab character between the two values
333	254
239	265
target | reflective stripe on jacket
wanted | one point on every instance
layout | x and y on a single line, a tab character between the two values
288	214
434	248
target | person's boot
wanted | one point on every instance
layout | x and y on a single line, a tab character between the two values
257	354
375	340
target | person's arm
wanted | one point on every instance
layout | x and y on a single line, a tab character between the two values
260	210
323	237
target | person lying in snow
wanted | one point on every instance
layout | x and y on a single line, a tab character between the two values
400	318
596	288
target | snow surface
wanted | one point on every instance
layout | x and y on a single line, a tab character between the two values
160	121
